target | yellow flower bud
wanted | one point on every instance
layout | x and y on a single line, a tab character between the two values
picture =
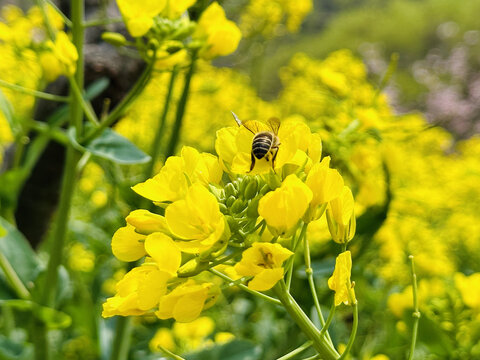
341	217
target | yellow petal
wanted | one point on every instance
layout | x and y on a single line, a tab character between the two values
164	251
127	245
266	279
146	222
340	280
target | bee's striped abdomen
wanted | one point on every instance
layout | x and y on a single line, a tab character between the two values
262	143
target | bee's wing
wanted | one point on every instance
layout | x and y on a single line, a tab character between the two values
249	125
274	124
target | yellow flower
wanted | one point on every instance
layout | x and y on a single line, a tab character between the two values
66	53
341	217
222	35
264	262
139	15
140	290
80	258
173	180
234	147
224	337
174	9
164	251
196	220
340	280
325	183
146	222
186	301
163	337
198	328
127	245
51	66
285	206
469	287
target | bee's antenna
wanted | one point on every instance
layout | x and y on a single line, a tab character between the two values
237	120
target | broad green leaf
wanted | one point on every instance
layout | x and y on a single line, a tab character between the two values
112	146
17	250
233	350
52	318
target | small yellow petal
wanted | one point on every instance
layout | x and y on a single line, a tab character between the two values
164	251
127	245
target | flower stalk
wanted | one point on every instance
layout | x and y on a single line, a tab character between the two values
323	347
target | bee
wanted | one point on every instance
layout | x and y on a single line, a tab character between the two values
265	144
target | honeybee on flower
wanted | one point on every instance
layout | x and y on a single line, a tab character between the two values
265	143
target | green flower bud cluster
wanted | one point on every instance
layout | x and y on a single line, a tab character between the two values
238	201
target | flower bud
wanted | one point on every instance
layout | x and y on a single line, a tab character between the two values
114	38
251	190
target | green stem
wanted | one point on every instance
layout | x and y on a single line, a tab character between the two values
169	353
353	334
323	347
124	104
296	351
86	106
38	94
328	321
121	343
60	231
175	136
311	280
155	150
245	288
77	14
50	131
42	6
291	260
13	279
416	313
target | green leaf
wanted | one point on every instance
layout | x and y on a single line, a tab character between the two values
112	146
7	109
3	232
233	350
19	253
52	318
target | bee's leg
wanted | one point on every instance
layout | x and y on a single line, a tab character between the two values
273	159
253	162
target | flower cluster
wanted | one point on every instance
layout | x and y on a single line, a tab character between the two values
167	27
212	211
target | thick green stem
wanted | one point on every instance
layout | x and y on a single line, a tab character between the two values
121	343
155	150
416	313
323	347
60	231
175	136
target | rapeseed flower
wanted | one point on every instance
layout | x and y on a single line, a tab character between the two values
196	221
469	287
220	34
139	291
127	244
178	173
340	280
264	262
341	217
285	206
65	52
186	301
139	15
